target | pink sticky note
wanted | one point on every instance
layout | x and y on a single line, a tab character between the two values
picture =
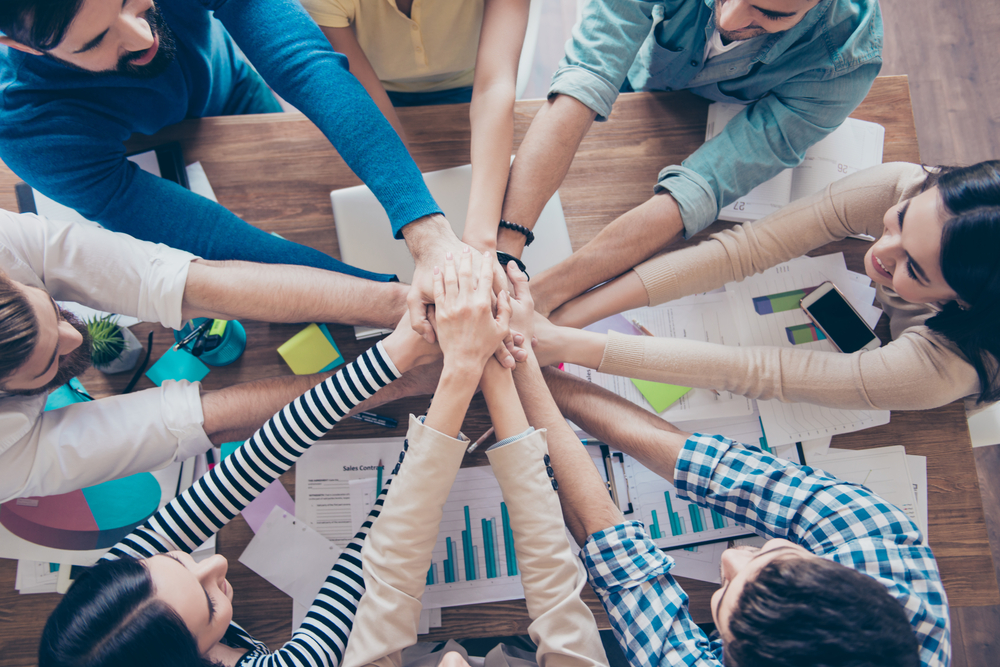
273	496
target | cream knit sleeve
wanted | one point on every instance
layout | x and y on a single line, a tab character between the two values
853	205
917	371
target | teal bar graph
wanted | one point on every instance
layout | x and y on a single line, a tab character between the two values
432	574
468	551
494	548
508	542
697	524
655	528
719	521
490	544
676	525
449	564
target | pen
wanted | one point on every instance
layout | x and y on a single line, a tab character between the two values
378	479
198	330
644	330
481	440
372	418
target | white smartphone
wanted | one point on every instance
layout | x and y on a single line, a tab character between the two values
836	318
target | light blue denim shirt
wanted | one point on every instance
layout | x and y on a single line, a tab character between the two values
799	85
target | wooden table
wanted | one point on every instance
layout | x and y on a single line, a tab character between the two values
277	171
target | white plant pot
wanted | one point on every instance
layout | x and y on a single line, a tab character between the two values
129	357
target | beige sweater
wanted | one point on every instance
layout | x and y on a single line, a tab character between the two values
918	369
397	554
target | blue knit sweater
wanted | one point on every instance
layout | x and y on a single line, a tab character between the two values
62	130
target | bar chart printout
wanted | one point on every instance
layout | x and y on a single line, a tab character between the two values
673	522
780	302
473	560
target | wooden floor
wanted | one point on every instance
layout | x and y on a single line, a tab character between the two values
950	52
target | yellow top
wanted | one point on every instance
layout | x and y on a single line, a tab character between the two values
433	49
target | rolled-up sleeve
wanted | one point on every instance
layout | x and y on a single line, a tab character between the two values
96	267
647	608
600	52
768	136
88	443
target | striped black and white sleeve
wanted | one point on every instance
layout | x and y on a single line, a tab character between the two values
222	493
322	637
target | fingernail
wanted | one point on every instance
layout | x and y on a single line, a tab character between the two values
437	270
448	255
465	248
518	339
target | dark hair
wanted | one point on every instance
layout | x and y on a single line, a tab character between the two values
811	611
970	262
111	618
40	24
18	328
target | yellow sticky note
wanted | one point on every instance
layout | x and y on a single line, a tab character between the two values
661	396
311	350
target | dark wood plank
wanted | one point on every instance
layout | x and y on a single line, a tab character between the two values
976	640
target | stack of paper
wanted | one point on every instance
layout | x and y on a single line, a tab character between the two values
855	145
761	319
703	317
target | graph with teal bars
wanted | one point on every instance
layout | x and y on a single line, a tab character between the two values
474	559
670	521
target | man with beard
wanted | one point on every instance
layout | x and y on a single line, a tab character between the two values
80	76
799	66
43	346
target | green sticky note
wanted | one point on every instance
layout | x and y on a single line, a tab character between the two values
311	350
661	396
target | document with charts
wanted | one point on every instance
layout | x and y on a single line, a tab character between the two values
704	317
855	145
767	313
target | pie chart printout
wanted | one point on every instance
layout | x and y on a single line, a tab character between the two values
97	517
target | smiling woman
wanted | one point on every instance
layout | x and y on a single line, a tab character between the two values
937	277
149	603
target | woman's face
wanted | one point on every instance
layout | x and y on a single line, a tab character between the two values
197	591
908	256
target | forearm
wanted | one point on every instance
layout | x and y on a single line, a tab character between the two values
617	422
543	159
568	345
502	402
586	504
344	41
626	292
208	504
492	117
297	61
626	242
281	293
451	398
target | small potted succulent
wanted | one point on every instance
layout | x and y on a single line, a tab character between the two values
113	348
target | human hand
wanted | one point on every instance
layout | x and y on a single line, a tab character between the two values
522	313
429	239
463	320
407	348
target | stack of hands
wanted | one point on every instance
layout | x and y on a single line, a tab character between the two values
470	322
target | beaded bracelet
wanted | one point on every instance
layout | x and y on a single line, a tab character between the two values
514	227
506	259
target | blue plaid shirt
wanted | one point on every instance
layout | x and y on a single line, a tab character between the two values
836	520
